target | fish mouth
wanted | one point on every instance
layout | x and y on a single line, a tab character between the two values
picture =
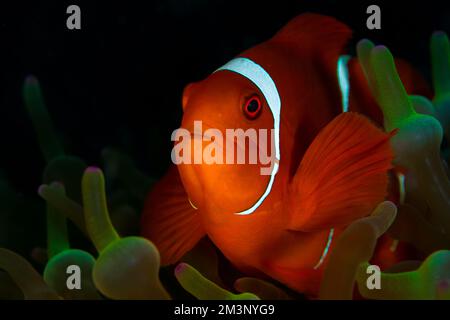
223	142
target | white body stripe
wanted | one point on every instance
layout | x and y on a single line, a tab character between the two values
343	80
325	251
256	74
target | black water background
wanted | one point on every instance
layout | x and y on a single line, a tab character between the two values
118	81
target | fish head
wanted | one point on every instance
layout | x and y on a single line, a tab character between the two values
230	126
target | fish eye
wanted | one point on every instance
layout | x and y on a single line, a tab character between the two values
252	108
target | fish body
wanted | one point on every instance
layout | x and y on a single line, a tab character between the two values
332	166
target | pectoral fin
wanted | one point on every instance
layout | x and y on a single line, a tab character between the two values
342	176
169	220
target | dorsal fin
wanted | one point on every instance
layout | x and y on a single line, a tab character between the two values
321	36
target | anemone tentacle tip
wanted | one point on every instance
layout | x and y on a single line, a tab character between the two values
41	189
58	184
31	80
380	48
180	268
364	41
439	33
93	169
389	205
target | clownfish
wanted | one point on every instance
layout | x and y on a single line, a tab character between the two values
330	166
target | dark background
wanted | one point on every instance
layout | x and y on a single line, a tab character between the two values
118	81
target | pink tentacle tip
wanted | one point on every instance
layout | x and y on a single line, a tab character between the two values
380	48
93	170
180	268
41	189
31	80
444	285
439	33
238	285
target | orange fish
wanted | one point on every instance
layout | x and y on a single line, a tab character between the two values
330	167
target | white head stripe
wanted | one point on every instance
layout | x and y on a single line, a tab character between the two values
256	74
